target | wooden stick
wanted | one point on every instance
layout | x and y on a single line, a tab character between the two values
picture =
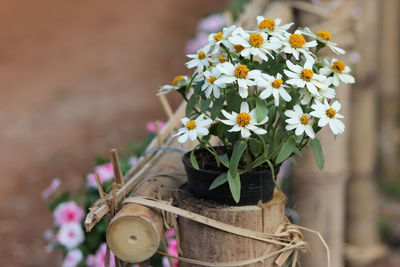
117	167
160	141
99	187
166	106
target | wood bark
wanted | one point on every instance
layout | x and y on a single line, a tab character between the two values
201	242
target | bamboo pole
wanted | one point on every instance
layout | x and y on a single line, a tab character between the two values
134	175
362	237
319	196
389	70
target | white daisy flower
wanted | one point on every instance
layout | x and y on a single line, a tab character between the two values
200	60
244	122
295	44
193	128
210	76
256	44
216	39
328	93
305	76
327	114
339	70
275	86
236	73
177	83
272	27
300	121
323	37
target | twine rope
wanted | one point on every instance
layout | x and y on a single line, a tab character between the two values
288	235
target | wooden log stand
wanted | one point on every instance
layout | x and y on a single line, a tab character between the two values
205	243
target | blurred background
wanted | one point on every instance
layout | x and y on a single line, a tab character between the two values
80	77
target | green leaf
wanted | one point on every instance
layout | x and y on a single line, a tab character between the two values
293	160
287	149
205	104
237	153
261	109
234	184
197	88
255	146
318	155
193	160
193	100
224	160
217	107
220	180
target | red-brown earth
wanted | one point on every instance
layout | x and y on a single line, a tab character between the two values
77	78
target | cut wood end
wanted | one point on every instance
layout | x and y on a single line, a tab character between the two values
135	233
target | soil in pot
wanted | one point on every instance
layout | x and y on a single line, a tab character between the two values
255	185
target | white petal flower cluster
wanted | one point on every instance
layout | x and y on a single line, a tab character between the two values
252	84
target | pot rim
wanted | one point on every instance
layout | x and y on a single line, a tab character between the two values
188	164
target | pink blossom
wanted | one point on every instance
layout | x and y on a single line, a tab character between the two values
170	233
198	42
99	259
151	126
73	258
70	235
51	189
67	212
213	23
173	250
51	239
105	172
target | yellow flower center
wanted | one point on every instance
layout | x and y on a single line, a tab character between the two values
330	112
211	79
201	55
243	119
297	40
223	59
267	23
256	39
238	48
324	35
176	80
338	66
306	74
241	71
304	120
191	125
218	36
277	83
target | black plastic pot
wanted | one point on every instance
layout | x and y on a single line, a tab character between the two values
255	185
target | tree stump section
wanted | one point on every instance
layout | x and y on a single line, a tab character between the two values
201	242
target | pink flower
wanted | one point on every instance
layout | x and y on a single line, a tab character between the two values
213	23
67	212
170	233
99	259
51	239
51	189
70	235
151	126
105	172
198	42
73	258
173	250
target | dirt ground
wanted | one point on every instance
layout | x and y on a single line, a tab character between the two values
77	78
